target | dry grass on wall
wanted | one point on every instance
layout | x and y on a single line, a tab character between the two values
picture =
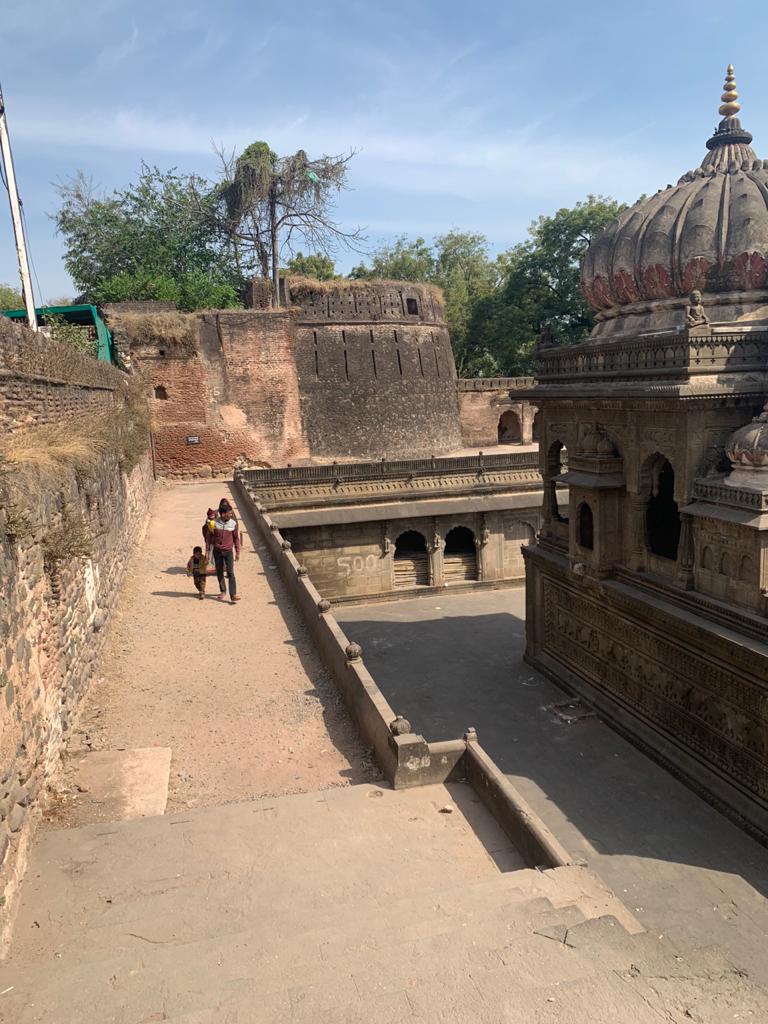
38	458
303	285
177	331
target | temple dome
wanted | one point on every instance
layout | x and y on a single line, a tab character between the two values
707	233
748	446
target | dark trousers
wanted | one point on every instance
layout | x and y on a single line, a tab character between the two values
200	583
225	560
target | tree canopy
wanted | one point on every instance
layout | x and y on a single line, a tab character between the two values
10	297
497	307
178	237
321	267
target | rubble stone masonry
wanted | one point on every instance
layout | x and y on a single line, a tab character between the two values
54	605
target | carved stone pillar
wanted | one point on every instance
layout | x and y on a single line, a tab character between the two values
638	507
436	546
685	553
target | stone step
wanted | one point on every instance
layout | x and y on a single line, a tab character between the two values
234	963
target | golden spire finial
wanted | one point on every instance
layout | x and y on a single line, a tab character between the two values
730	105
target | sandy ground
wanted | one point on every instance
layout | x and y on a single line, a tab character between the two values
235	691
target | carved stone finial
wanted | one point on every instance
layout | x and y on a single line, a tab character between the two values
287	545
694	311
324	605
353	652
730	105
400	726
302	570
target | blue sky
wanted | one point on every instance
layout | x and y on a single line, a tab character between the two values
476	115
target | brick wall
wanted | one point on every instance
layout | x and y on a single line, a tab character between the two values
43	381
232	398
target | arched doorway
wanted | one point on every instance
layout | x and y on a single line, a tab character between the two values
411	561
662	519
509	428
459	556
536	428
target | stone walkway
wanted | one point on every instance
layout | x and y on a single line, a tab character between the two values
453	661
236	692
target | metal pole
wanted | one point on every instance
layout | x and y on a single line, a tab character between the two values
18	229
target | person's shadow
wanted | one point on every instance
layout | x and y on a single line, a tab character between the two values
175	570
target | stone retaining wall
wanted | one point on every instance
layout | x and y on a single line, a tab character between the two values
65	540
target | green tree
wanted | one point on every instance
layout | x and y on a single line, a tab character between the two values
459	263
321	267
157	238
404	260
10	297
269	204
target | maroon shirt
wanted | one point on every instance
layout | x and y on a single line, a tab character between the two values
225	536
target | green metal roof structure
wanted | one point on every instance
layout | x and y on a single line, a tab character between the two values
85	315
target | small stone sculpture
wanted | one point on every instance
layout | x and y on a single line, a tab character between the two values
694	311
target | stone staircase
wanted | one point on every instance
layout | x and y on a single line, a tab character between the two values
350	906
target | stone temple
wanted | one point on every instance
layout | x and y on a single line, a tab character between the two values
649	593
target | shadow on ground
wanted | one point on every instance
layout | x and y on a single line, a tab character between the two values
445	671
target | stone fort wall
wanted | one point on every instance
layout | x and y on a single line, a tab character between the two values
54	603
348	370
376	370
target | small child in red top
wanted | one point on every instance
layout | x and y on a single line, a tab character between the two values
197	568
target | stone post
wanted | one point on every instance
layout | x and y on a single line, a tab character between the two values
436	558
638	507
685	553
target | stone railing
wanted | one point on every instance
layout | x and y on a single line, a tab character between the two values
494	383
736	497
671	355
389	470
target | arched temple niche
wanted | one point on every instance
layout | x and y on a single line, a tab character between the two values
662	517
509	429
459	556
411	561
585	535
556	463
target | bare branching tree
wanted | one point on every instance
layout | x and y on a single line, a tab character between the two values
270	206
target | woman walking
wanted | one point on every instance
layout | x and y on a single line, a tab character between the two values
224	540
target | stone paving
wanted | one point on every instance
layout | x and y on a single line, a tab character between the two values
456	660
351	905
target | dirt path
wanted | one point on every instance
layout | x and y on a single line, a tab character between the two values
236	692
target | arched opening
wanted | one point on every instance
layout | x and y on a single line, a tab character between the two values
557	462
707	560
411	561
509	430
160	392
726	566
586	533
662	519
746	569
459	556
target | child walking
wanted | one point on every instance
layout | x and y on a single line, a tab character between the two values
197	568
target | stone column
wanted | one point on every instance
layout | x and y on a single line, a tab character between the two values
638	507
685	553
435	546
